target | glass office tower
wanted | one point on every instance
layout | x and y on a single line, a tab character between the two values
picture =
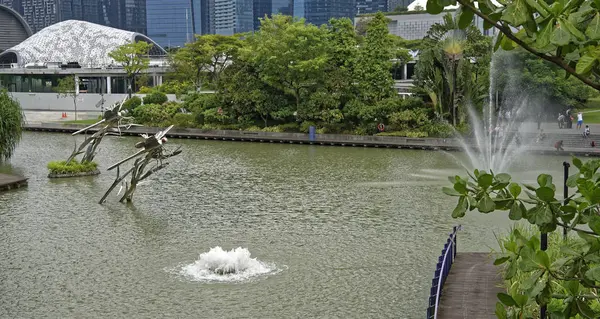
171	23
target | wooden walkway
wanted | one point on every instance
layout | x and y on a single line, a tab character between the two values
8	182
471	288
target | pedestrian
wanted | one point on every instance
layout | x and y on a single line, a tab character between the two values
559	146
586	132
579	120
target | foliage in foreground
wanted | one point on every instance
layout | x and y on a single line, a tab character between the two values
11	124
73	167
571	280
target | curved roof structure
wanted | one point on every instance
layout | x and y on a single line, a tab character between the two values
75	41
14	28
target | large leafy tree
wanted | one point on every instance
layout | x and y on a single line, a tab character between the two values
373	75
11	123
134	58
206	57
289	55
563	32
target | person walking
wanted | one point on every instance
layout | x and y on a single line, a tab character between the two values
579	120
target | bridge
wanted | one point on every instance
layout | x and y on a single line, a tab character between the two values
464	285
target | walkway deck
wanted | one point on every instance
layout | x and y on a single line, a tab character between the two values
471	288
8	182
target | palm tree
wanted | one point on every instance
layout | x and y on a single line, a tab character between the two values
453	47
11	125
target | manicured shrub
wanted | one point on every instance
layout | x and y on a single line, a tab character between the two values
73	167
156	98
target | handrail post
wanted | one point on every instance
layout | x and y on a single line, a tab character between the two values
445	262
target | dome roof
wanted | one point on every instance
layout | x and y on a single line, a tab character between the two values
76	41
14	28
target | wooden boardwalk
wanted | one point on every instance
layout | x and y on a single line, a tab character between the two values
471	288
8	182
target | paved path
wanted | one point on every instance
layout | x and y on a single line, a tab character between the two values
471	288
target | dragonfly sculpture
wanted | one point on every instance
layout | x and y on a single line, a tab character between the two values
152	152
111	123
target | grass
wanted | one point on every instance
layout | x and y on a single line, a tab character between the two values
86	122
61	167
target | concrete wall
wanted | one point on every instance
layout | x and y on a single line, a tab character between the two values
85	101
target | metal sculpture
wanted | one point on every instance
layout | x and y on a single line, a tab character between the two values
112	122
152	151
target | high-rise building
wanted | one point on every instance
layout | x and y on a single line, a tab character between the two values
393	4
122	14
14	4
233	16
207	17
319	12
371	6
171	23
268	8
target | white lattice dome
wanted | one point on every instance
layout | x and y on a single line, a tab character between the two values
75	41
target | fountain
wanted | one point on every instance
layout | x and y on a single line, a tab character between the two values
218	265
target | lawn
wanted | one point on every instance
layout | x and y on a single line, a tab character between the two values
591	112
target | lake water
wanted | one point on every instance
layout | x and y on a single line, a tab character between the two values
337	232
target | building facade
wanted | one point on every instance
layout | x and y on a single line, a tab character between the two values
172	23
233	16
14	28
371	6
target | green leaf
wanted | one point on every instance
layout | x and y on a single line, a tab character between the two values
501	260
572	29
540	215
537	7
532	280
585	310
516	13
577	162
503	178
485	180
472	202
450	191
499	40
560	36
520	300
507	44
516	212
542	258
544	180
545	193
511	270
585	64
572	180
500	311
514	189
572	286
434	6
461	208
543	37
593	29
466	17
506	299
593	274
594	223
460	187
486	204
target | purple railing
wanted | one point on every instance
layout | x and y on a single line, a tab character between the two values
442	269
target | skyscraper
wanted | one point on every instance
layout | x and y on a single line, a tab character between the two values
319	12
233	16
264	8
171	23
371	6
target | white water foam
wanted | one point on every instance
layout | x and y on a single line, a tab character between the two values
218	265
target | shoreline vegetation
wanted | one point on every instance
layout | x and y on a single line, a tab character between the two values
58	169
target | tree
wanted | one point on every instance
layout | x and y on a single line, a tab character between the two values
289	55
207	55
134	58
67	88
373	74
11	123
565	33
568	279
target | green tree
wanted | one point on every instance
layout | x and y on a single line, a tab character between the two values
373	74
568	281
67	88
206	57
565	33
11	124
289	55
134	57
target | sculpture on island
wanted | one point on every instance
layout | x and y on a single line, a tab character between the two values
111	123
152	151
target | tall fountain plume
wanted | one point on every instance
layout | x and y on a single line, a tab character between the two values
495	142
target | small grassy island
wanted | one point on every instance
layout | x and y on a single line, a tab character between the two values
73	168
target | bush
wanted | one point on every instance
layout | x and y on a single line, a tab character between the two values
306	125
156	98
61	167
184	120
132	103
439	129
154	114
273	129
290	127
413	134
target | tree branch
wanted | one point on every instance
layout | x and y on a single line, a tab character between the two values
577	229
551	58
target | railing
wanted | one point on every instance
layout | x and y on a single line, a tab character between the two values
442	270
